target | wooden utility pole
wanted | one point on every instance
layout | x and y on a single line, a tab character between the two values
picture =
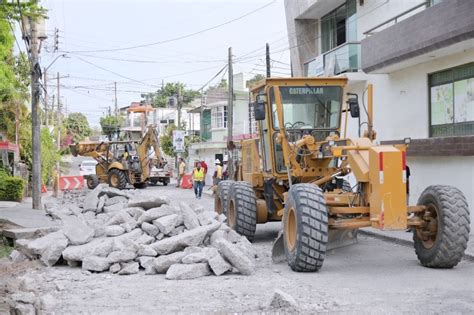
201	120
230	116
36	128
58	139
267	58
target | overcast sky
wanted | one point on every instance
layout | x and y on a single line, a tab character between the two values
90	32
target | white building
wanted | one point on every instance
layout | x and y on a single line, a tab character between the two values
419	56
215	128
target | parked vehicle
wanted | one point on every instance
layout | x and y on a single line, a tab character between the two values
87	167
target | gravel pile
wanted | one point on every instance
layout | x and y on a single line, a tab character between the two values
123	232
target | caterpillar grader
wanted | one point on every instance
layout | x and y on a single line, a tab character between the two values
299	171
124	162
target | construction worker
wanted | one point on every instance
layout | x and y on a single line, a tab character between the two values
198	180
181	171
218	172
225	173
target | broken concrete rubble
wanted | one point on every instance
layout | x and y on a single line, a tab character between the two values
121	232
189	271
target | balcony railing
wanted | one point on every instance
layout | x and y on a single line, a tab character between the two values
344	58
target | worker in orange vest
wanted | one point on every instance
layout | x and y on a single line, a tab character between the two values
198	180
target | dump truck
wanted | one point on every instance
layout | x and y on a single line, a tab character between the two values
120	163
299	171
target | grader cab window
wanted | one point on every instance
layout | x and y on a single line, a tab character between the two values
309	107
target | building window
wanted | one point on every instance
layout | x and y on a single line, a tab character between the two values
339	26
452	101
219	117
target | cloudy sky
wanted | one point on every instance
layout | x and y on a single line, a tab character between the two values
141	43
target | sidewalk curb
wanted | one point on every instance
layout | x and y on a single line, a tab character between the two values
399	241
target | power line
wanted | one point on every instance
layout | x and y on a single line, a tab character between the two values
180	37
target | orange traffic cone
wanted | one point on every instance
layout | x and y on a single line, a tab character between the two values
43	189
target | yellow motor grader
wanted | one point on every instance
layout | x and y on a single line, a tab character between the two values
299	170
123	162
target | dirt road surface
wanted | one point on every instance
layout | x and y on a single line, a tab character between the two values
372	276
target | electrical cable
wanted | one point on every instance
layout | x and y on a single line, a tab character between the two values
182	36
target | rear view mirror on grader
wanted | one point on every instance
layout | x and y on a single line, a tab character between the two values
297	171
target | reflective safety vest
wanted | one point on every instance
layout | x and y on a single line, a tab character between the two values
198	175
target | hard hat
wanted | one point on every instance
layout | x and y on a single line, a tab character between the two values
226	158
217	161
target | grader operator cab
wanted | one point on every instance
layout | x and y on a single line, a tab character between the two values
123	162
298	171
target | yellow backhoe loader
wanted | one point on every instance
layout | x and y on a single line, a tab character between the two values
300	168
123	162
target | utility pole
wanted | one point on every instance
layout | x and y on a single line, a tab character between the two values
230	117
267	54
116	107
58	139
201	126
45	83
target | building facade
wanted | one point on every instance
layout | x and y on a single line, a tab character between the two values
419	56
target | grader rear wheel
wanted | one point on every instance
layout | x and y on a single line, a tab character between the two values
220	199
242	209
305	228
117	179
441	241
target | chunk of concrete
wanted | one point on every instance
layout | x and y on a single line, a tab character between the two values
155	213
116	207
129	269
282	301
218	265
150	270
92	199
77	231
115	200
148	202
24	297
48	247
162	263
115	268
121	256
101	203
95	263
114	192
114	230
150	229
146	250
145	261
145	239
235	256
190	218
97	247
191	271
178	230
246	247
47	303
129	226
194	258
119	218
206	217
135	212
17	256
167	223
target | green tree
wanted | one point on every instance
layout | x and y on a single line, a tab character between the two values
170	89
78	126
166	140
258	77
111	124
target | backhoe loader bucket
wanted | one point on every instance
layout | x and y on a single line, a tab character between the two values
337	239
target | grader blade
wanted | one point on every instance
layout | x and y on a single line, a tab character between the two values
337	239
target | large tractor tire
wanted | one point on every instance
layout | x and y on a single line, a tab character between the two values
305	228
220	199
442	240
117	179
242	209
92	181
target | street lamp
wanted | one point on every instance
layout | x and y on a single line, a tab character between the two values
34	32
45	87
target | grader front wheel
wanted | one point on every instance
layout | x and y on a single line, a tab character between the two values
442	239
220	199
117	179
305	232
